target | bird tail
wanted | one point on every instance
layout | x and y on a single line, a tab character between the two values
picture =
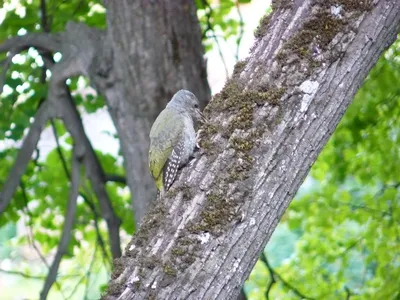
160	189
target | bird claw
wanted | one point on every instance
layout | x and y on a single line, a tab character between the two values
191	163
198	140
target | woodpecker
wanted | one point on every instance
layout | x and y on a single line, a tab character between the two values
173	138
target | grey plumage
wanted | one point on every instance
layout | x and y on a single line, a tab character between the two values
173	138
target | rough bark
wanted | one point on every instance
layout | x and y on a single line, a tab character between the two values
266	128
156	50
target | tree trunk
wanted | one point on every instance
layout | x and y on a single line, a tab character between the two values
157	50
265	130
149	51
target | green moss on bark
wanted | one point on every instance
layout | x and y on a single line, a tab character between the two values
316	32
169	269
262	27
319	30
239	67
281	4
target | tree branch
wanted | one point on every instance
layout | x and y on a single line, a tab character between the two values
22	274
69	221
94	172
241	30
42	41
115	178
24	154
348	293
29	276
266	129
88	201
58	148
208	10
86	276
264	259
175	45
43	16
61	99
75	61
86	197
100	240
31	237
275	275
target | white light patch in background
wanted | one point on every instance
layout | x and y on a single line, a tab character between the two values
251	14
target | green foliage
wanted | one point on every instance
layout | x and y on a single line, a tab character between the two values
348	219
219	20
6	232
40	200
26	15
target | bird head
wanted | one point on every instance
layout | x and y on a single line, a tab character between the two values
185	101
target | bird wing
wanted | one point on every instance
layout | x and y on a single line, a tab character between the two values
165	135
172	164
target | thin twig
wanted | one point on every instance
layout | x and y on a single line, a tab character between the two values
271	275
274	275
22	274
94	172
88	200
375	213
29	276
348	293
241	31
69	221
31	238
208	10
43	16
35	160
30	226
100	240
86	275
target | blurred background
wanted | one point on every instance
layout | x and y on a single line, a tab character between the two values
339	239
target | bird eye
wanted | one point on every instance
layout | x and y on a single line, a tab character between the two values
196	106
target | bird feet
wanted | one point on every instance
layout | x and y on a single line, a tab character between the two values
198	140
